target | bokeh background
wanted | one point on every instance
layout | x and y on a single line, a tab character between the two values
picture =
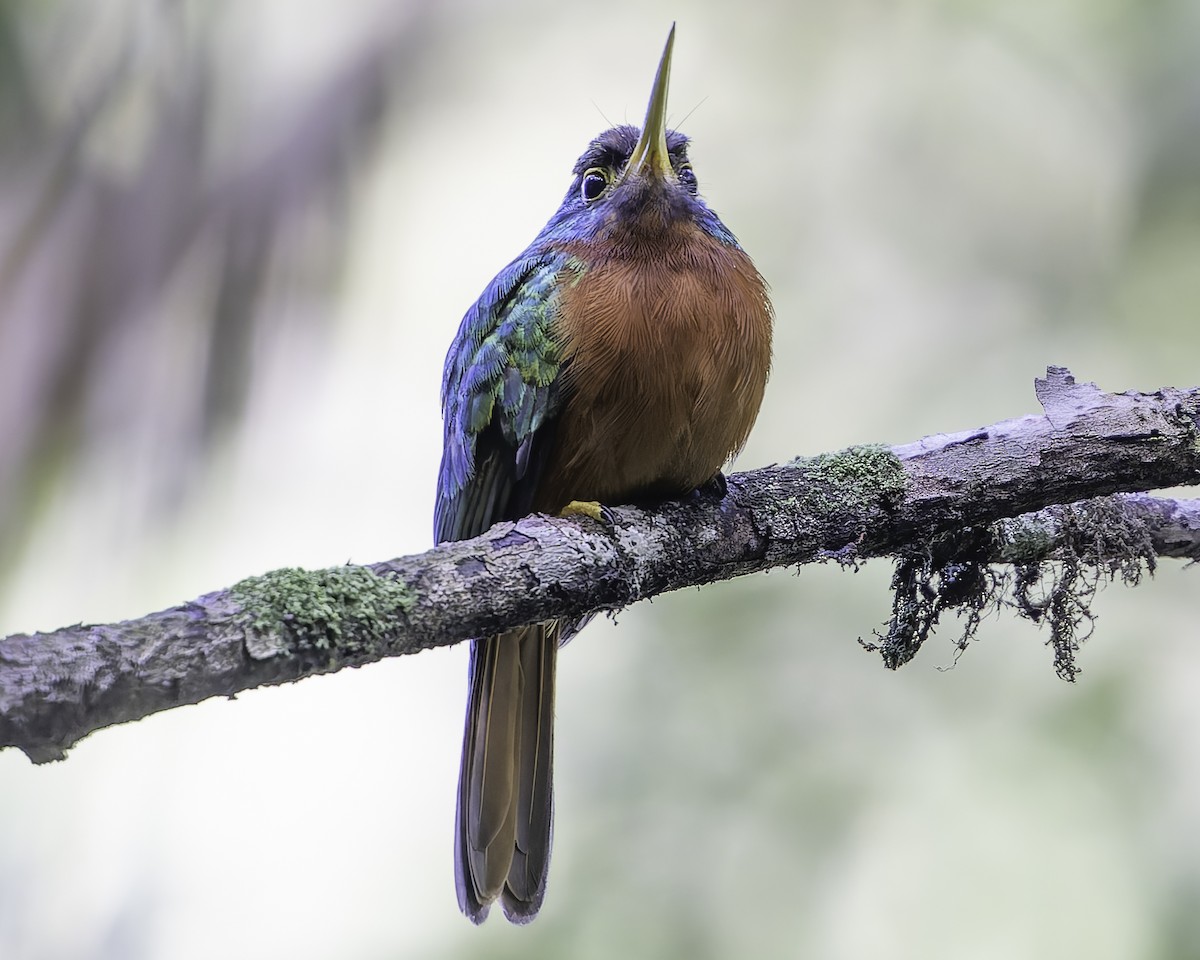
235	240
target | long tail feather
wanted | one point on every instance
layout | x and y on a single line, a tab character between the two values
505	797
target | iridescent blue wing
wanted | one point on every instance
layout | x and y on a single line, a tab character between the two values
500	393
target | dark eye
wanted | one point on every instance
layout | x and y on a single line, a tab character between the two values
595	182
687	176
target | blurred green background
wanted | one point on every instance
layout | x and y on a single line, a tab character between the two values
235	241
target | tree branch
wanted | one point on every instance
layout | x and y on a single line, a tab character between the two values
935	504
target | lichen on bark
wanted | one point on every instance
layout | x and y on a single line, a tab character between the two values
346	610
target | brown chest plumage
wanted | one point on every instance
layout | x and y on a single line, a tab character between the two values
668	348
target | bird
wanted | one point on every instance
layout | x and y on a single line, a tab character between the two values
620	358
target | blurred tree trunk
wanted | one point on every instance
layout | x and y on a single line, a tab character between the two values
97	351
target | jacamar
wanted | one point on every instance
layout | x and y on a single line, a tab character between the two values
622	357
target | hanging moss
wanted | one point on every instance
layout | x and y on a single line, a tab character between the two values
1059	558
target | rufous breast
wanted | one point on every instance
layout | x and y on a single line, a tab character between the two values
667	349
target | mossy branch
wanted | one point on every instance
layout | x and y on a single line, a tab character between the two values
944	507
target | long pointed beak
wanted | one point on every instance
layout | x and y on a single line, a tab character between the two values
650	153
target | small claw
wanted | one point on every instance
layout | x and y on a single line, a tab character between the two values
715	486
586	508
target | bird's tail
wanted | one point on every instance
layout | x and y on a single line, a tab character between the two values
505	799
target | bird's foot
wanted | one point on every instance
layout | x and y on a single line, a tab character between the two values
586	508
716	486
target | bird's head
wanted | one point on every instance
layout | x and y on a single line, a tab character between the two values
636	183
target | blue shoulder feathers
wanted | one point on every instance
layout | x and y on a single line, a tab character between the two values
500	392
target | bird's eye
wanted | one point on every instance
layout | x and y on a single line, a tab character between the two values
687	176
595	182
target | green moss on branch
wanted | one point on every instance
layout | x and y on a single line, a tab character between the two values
342	610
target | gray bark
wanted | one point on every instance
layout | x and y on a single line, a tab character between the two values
942	506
